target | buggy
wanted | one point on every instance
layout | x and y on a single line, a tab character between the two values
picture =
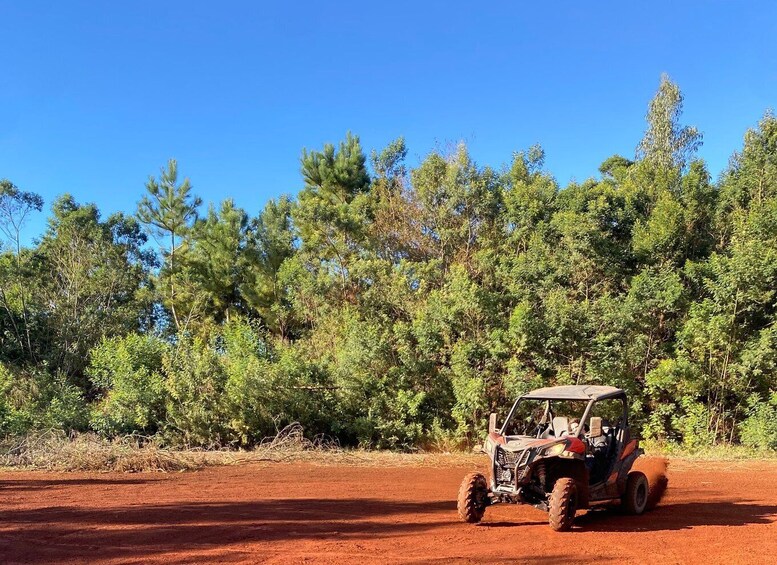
560	449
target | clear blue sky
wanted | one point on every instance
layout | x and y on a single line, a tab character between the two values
95	96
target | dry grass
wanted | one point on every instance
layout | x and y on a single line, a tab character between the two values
290	444
55	451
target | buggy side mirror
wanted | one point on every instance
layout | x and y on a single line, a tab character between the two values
492	422
595	425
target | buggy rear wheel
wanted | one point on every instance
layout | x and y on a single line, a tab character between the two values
563	504
635	498
473	498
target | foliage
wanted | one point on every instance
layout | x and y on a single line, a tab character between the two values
127	372
195	393
88	280
168	210
391	305
39	400
759	429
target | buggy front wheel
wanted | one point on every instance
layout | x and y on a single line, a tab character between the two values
473	498
562	505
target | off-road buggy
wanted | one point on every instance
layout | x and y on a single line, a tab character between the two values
560	449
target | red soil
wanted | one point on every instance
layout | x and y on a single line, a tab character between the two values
295	513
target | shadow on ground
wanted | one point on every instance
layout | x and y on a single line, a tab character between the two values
58	533
141	531
679	516
39	484
667	517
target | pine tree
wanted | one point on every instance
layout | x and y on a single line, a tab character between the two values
169	210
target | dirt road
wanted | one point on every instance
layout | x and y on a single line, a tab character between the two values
304	513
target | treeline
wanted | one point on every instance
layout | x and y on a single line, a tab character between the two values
390	306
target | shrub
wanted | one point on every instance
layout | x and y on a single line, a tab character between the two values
62	405
303	391
759	429
195	382
694	424
127	371
15	414
251	394
38	400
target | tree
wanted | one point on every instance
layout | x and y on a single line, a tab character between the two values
389	164
529	197
92	282
396	231
15	207
334	206
169	210
750	182
266	288
666	144
459	202
215	265
613	167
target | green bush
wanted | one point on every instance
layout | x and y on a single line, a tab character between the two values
694	424
37	401
759	429
657	426
303	391
62	405
252	397
195	404
127	372
15	416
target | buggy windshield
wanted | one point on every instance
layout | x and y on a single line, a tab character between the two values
544	418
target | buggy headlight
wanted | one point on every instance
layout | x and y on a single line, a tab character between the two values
557	449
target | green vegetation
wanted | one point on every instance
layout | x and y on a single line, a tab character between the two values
395	307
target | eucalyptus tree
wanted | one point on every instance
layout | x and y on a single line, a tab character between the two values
667	144
92	282
460	202
15	208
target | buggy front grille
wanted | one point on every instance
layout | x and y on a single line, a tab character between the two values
507	459
512	459
512	466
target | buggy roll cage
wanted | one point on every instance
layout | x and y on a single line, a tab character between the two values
579	393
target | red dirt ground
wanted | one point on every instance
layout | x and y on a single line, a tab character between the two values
303	513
